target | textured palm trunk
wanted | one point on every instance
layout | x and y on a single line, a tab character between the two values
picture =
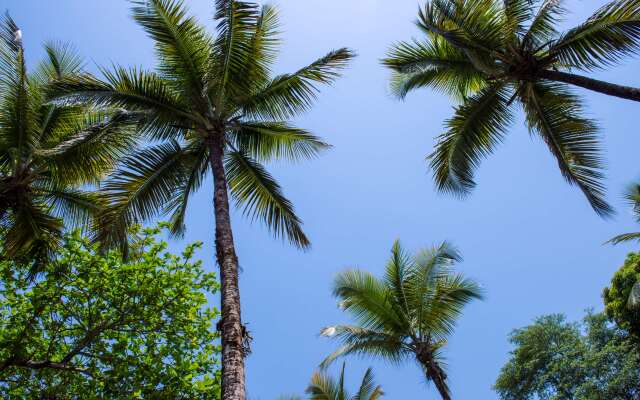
233	385
435	373
611	89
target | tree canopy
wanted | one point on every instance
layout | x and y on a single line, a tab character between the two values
91	326
557	360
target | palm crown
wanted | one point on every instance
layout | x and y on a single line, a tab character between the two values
324	387
409	313
48	152
491	55
208	88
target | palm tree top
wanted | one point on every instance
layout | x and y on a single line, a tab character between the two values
415	304
49	153
208	87
325	387
490	54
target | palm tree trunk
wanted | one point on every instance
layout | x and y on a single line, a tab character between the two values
611	89
435	373
233	385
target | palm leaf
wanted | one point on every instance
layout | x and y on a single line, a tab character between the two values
478	125
260	196
555	113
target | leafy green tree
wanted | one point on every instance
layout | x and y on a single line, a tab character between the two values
93	327
620	298
409	313
215	108
492	54
48	152
557	360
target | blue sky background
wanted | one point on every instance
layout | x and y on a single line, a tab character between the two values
529	238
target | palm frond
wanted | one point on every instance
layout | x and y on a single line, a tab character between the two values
254	190
324	387
291	94
478	125
77	208
556	115
368	389
625	237
434	64
608	36
181	44
263	47
62	60
267	141
544	26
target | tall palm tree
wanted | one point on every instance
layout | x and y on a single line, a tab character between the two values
48	153
214	107
492	54
324	387
409	313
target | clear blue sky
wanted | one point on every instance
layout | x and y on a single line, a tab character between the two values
529	238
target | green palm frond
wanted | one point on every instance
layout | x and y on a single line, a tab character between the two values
232	49
364	342
263	47
556	115
324	387
477	127
608	36
288	95
266	141
261	197
434	64
75	207
516	15
62	61
368	388
182	45
625	237
143	186
544	25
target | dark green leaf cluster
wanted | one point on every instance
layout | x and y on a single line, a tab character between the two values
91	326
557	360
621	297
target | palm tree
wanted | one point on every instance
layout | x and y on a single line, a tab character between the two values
632	195
324	387
491	54
409	313
213	106
48	152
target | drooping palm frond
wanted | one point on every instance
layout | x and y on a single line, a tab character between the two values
477	127
632	197
556	115
261	197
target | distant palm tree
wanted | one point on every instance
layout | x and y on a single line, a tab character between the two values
324	387
409	313
491	54
215	107
632	195
48	152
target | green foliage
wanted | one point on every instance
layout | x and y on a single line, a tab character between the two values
632	196
208	90
619	297
409	313
91	326
492	54
324	387
557	360
49	153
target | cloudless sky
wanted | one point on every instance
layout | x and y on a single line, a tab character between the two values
530	239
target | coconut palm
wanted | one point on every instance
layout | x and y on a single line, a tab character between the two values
324	387
408	314
214	107
490	55
48	153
